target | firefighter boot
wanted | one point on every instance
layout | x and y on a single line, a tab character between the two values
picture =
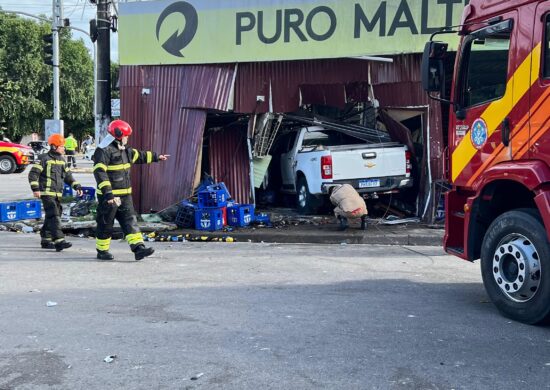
364	222
141	251
104	255
59	246
343	223
47	245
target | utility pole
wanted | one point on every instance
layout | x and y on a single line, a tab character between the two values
55	125
57	12
103	69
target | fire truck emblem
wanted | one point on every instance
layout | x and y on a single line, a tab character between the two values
479	133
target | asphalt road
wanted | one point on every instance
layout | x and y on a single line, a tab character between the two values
256	316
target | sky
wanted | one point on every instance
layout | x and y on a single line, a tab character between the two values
78	11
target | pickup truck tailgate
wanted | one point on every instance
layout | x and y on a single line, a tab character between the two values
358	161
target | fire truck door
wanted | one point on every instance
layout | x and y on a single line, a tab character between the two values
539	142
484	96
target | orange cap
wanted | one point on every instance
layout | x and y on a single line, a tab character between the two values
56	140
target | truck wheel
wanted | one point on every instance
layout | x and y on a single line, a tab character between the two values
7	164
515	266
305	202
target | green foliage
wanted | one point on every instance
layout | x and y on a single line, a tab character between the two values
26	82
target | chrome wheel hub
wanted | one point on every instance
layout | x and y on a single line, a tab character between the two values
5	165
302	195
517	268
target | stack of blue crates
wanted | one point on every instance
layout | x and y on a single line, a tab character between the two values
16	211
209	215
240	215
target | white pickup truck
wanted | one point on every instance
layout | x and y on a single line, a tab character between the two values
316	158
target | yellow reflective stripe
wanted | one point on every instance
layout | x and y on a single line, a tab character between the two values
34	183
134	238
516	87
149	157
118	167
50	193
102	245
55	162
135	156
124	191
48	176
38	166
103	184
100	166
59	240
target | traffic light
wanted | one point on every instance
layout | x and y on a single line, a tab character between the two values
48	49
94	32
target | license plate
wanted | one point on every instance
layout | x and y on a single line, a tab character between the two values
369	183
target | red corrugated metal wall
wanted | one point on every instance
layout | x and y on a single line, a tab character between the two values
229	162
163	123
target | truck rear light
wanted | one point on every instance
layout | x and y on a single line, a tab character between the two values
408	164
326	167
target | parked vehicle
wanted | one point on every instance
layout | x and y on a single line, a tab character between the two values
39	147
498	209
316	158
14	157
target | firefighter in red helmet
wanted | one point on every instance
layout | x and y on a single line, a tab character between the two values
114	189
46	178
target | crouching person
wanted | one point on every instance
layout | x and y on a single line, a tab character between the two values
113	162
47	177
349	204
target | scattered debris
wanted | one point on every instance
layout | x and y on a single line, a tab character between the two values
151	217
51	303
109	359
195	377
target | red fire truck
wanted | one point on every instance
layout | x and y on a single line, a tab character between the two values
498	161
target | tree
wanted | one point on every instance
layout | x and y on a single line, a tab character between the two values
23	76
26	82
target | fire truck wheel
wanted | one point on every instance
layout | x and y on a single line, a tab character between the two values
7	164
515	266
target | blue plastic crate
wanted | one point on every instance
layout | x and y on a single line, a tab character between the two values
215	199
29	209
220	187
262	218
240	215
209	219
67	191
8	211
88	193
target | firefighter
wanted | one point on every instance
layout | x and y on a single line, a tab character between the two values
47	177
349	204
114	189
70	150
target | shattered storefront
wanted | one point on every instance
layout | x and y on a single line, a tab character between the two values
174	107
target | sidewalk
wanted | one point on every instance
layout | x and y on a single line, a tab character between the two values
410	234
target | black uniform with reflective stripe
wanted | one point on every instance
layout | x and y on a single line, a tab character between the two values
112	168
49	174
112	174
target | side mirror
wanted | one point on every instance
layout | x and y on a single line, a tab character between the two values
433	70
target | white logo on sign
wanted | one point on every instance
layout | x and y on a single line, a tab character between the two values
247	218
205	223
11	214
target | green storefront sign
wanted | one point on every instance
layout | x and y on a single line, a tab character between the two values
213	31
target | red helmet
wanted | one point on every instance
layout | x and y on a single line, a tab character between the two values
119	129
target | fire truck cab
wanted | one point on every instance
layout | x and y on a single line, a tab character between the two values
498	161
